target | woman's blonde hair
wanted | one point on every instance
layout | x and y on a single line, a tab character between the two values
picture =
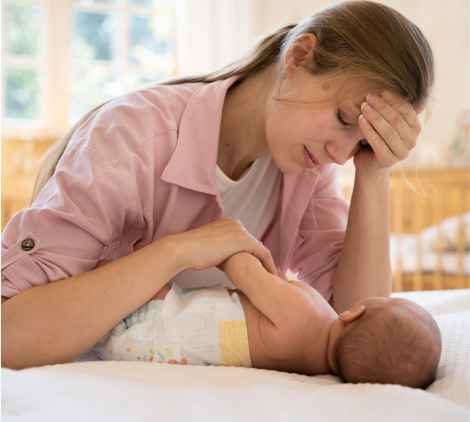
361	39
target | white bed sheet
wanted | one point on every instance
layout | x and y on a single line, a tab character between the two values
93	390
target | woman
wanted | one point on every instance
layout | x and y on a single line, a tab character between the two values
147	179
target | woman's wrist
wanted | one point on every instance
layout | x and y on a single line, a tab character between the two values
175	251
374	175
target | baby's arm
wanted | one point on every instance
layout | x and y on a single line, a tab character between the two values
282	303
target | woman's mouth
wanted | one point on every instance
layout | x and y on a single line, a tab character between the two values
309	159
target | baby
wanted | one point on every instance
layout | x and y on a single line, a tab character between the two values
291	327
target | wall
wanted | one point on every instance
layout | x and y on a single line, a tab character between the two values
445	25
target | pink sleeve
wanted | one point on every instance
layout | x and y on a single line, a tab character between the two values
321	234
82	208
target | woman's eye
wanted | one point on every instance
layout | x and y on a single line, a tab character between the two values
341	120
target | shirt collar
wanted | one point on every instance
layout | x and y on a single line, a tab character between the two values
193	163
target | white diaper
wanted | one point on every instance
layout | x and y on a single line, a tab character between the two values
202	326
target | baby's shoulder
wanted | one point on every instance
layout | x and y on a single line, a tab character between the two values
311	321
309	289
285	347
304	286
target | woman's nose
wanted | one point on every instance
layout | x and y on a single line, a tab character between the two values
343	152
346	148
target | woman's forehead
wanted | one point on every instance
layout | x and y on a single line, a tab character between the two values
345	91
352	88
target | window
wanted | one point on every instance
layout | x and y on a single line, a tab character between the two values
62	58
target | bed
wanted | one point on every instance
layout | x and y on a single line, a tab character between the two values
90	390
93	390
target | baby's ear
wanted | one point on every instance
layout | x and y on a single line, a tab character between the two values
348	316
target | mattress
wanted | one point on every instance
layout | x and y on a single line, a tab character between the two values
92	390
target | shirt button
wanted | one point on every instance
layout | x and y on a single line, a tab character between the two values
28	244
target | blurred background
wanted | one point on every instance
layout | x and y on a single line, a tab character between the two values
62	58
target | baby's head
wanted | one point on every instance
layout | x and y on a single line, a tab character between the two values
386	341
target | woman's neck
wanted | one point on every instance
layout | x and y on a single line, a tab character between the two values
242	138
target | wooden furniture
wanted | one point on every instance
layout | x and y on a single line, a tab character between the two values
19	165
437	195
418	200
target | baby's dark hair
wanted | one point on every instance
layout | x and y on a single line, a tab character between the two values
398	342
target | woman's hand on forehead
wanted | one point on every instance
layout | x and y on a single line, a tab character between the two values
390	127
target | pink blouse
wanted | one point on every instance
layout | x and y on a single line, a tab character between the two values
142	167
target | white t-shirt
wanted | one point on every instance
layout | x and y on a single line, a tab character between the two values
252	199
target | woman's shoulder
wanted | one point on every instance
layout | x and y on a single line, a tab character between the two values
152	109
123	124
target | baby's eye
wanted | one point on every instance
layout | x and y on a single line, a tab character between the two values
341	120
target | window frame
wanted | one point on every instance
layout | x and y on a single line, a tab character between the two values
55	70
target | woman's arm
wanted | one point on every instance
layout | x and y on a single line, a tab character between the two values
59	321
364	268
391	128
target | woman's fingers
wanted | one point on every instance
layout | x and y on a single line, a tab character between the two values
257	249
384	156
210	245
391	127
263	254
420	108
404	108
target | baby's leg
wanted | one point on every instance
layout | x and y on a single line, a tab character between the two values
162	293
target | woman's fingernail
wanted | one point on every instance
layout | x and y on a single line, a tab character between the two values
362	118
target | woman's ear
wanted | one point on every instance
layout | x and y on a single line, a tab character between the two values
301	49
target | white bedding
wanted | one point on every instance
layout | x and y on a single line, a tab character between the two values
92	390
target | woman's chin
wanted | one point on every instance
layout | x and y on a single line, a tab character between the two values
291	170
